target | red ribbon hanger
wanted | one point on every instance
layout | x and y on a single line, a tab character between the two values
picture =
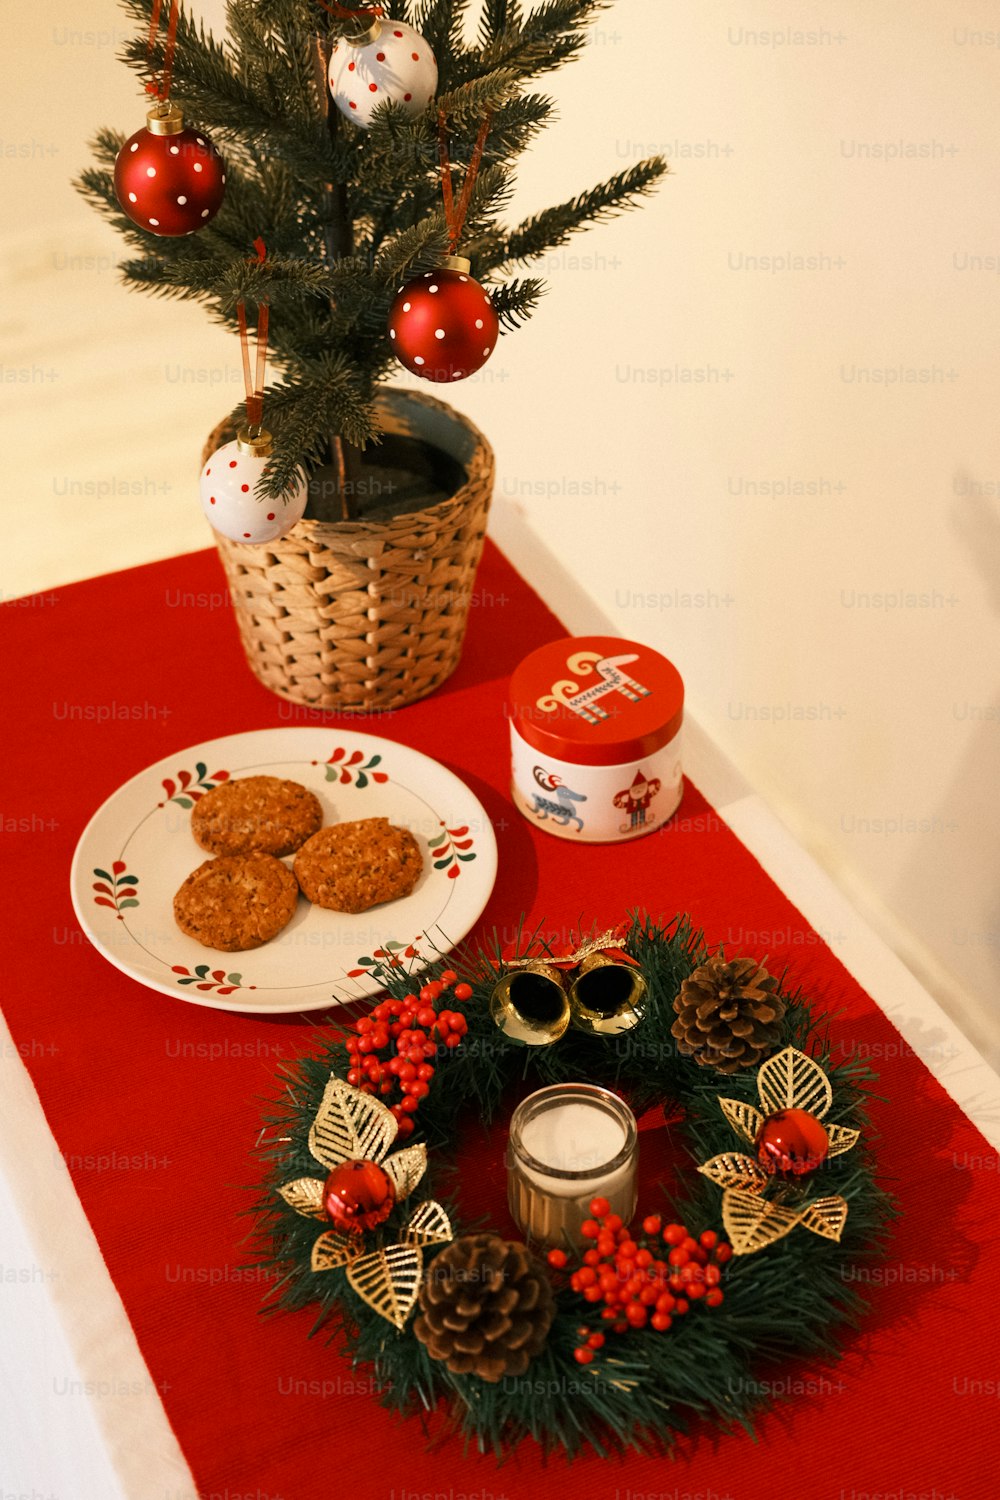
254	383
455	216
161	86
342	13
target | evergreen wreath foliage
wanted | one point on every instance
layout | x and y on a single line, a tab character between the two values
643	1388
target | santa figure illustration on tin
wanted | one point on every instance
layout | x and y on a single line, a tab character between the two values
635	800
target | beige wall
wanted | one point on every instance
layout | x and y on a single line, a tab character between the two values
756	420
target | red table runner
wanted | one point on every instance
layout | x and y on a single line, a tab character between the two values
155	1103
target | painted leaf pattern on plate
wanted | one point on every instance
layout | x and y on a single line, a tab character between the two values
353	770
216	981
116	888
190	787
392	956
451	850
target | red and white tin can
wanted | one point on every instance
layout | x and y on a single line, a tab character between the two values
595	728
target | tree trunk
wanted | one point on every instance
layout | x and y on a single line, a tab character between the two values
335	494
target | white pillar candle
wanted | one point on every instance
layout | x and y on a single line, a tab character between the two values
570	1143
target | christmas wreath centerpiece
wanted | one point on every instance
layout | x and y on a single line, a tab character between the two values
620	1333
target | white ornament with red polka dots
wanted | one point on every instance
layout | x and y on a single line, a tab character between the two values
228	483
395	64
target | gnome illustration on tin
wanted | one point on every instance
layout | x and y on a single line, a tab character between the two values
635	800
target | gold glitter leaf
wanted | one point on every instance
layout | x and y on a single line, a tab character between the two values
604	940
744	1118
332	1250
734	1170
406	1168
305	1195
429	1225
598	944
752	1223
825	1216
790	1080
842	1138
350	1125
388	1280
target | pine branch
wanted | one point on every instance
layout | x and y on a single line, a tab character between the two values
97	186
193	275
324	396
264	101
417	249
491	195
550	36
407	151
199	60
401	149
498	17
466	105
441	22
283	281
515	301
515	125
553	226
106	146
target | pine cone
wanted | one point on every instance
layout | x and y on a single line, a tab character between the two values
486	1305
728	1016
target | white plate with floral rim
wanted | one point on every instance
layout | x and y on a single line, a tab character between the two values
138	848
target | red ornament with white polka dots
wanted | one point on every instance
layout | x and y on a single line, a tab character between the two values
389	61
228	483
442	325
169	180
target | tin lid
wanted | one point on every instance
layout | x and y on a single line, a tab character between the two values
596	700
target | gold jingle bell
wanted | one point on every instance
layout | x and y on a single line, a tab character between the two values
530	1005
607	996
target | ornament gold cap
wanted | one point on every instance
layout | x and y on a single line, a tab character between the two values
456	263
256	441
165	119
364	38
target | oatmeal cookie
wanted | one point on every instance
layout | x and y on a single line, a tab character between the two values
236	902
256	815
353	866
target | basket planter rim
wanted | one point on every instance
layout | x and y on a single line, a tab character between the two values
387	397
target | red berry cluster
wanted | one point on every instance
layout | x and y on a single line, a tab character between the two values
636	1286
394	1045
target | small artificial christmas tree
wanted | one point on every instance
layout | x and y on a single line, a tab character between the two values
347	200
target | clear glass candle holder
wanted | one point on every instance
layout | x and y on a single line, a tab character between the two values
570	1143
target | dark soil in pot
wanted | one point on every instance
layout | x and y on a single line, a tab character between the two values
398	475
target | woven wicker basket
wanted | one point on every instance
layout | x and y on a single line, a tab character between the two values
368	615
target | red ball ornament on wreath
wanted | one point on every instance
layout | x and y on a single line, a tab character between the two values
169	180
358	1195
442	325
792	1143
